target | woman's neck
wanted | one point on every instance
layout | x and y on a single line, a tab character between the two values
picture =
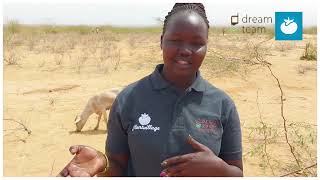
180	82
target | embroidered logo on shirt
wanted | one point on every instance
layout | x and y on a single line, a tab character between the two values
207	126
144	121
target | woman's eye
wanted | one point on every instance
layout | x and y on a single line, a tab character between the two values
174	40
198	43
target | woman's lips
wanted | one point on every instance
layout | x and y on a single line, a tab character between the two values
182	62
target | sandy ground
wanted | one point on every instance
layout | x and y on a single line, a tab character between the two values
50	114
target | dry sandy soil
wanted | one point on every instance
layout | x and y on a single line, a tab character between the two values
56	74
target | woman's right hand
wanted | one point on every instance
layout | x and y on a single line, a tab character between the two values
86	162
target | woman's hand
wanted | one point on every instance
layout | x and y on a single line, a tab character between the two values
203	162
86	162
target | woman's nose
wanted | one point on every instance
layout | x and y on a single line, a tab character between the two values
185	50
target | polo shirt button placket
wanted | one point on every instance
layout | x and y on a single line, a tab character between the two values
181	117
178	124
178	115
179	111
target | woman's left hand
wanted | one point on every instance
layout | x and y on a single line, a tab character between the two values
203	162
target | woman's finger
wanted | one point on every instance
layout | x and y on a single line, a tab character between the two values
182	173
76	149
63	173
176	160
72	167
172	170
196	145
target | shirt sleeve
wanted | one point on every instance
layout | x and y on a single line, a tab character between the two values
117	138
231	146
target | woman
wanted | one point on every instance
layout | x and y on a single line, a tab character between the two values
172	122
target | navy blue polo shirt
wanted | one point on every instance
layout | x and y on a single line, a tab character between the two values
150	121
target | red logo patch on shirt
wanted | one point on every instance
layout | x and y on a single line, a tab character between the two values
207	126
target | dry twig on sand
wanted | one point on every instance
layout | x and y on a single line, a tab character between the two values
46	90
20	123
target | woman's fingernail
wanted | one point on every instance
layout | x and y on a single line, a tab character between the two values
164	163
163	174
65	173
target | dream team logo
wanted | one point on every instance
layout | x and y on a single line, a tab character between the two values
144	121
288	26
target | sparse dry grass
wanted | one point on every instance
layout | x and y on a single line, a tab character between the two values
302	69
11	57
310	52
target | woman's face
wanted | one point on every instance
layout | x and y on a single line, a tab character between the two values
184	43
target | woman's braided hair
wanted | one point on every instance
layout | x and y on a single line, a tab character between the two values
196	7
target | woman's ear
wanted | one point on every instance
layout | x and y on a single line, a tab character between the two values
161	41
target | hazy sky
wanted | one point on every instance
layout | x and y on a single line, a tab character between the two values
143	13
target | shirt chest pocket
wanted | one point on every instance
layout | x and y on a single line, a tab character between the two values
209	133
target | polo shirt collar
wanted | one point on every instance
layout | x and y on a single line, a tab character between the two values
158	82
199	84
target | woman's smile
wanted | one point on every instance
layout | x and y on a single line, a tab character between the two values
180	63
